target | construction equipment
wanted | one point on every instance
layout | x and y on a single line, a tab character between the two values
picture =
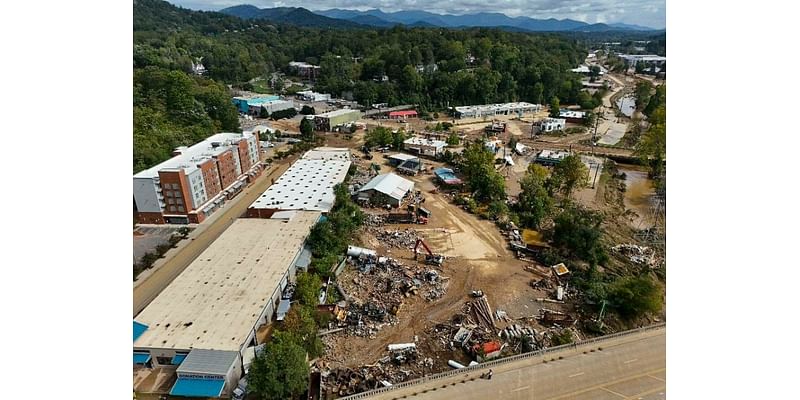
430	258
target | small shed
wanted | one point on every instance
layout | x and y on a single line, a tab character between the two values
386	189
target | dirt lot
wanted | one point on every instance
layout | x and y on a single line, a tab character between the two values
477	258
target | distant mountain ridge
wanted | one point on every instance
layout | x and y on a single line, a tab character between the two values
344	18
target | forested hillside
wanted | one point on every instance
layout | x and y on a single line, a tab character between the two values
507	66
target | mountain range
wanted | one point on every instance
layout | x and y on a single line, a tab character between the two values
376	18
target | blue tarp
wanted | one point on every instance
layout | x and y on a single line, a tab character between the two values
141	358
178	358
138	330
194	387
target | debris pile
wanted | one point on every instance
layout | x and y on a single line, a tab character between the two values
403	363
555	318
483	312
397	238
638	254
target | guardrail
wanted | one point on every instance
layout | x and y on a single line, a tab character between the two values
502	361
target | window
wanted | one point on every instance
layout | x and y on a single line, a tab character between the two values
172	208
180	209
170	201
164	360
168	193
175	186
179	201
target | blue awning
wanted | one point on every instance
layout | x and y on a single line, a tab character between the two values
141	358
194	387
178	358
138	330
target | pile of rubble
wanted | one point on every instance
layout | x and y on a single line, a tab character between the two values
379	288
403	363
374	220
397	238
638	254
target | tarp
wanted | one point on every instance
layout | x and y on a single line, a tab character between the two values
141	358
138	330
194	387
178	358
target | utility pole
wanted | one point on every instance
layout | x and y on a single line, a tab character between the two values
594	134
596	170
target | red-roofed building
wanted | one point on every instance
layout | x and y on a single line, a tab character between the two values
402	114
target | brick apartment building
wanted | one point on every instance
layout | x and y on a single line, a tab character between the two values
197	180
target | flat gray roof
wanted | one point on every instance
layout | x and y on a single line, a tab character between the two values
195	154
215	302
210	362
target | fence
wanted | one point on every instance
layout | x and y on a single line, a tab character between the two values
502	361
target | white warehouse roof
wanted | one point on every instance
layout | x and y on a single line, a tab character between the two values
308	183
389	184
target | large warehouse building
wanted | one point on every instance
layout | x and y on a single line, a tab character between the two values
203	325
306	185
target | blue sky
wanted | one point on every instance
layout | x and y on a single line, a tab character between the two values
650	13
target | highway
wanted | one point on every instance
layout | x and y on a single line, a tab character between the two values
628	367
152	282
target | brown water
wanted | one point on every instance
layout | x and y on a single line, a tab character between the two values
639	193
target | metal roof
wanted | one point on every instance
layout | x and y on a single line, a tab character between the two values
402	157
389	184
208	362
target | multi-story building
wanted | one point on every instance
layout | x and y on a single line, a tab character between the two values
197	180
305	70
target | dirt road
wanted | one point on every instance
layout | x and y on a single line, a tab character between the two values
148	287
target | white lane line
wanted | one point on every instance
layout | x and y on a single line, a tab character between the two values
521	388
578	374
613	392
630	361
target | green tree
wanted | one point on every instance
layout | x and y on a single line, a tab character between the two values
307	110
652	148
642	93
483	179
555	107
308	287
577	230
300	323
279	371
378	136
307	129
263	113
453	139
569	174
635	296
534	201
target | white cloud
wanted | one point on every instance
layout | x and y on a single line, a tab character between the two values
650	13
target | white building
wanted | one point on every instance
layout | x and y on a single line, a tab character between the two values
633	59
496	109
426	147
203	323
386	189
309	95
306	185
572	116
552	124
270	106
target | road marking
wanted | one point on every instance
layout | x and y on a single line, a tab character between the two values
613	392
651	391
578	374
589	389
630	361
520	388
656	378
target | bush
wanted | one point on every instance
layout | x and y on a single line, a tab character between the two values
306	110
635	296
287	113
562	338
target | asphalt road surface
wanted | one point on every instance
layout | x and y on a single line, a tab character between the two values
629	367
148	287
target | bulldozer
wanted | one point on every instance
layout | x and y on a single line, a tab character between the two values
430	258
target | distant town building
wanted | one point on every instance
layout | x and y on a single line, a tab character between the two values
197	66
491	110
425	147
198	180
552	124
270	106
328	121
305	70
632	59
402	114
309	95
572	116
244	103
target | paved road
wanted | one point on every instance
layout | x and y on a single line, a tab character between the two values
630	367
149	286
